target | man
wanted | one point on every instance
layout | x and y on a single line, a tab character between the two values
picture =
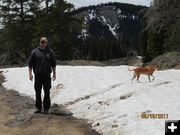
42	62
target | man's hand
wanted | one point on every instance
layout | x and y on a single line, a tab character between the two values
30	74
54	73
30	77
54	77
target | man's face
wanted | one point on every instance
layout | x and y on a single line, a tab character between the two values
43	44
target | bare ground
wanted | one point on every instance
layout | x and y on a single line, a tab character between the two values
135	61
17	117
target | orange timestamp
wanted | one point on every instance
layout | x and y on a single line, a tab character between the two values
145	115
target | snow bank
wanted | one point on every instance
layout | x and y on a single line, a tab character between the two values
107	98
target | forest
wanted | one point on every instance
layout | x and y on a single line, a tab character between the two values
23	22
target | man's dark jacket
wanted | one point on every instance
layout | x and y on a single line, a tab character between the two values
42	60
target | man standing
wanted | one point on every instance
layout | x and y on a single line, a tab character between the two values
42	62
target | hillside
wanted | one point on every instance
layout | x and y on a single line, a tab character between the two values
161	32
162	14
117	17
99	32
116	25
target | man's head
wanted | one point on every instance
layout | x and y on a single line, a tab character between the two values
43	42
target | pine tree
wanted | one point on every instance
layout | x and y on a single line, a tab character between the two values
58	27
142	50
173	41
16	33
154	44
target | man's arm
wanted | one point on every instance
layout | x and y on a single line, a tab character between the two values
30	74
30	65
54	73
53	65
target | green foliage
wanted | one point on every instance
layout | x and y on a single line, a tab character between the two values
142	43
17	29
150	45
103	49
8	43
162	28
154	44
173	41
58	28
24	22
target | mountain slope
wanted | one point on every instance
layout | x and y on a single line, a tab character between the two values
161	29
162	14
108	31
110	21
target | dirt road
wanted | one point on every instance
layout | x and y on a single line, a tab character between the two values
17	118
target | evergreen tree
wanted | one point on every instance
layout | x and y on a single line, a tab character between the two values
16	34
173	42
25	21
58	27
142	50
154	45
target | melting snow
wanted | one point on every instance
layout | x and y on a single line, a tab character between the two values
107	98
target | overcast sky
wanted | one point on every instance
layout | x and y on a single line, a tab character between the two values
80	3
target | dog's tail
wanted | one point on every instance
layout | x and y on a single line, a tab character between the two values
130	69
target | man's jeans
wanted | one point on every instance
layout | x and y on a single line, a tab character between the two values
42	80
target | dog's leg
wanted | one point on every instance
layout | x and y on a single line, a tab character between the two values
153	77
134	76
149	78
138	78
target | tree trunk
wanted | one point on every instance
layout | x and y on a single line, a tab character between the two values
47	5
22	11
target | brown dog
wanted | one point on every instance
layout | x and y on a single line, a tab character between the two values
147	70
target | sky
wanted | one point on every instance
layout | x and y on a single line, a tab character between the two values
80	3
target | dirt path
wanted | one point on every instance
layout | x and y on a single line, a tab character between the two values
17	118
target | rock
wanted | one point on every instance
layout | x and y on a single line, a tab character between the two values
167	61
114	126
162	14
97	124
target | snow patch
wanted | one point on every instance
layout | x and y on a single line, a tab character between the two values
119	11
113	29
107	98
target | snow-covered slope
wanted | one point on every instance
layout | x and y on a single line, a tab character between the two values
115	18
107	98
